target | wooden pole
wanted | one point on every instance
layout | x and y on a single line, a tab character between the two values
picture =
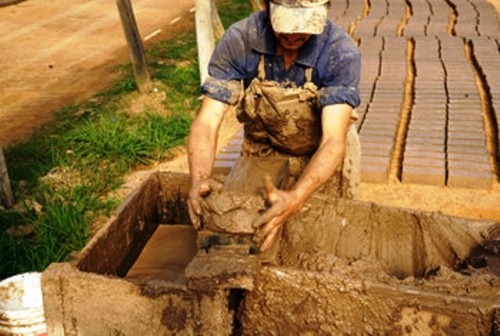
204	35
136	49
6	197
216	22
256	5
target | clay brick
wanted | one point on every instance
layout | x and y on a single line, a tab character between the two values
236	141
375	138
374	173
426	127
425	141
231	149
470	166
424	148
439	134
424	162
469	179
456	134
453	141
370	160
478	158
227	156
467	150
222	167
369	131
424	154
423	175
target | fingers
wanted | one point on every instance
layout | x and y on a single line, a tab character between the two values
199	190
270	239
194	216
271	191
266	217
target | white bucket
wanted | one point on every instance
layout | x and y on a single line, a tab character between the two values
21	306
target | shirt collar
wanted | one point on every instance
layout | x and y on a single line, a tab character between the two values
310	52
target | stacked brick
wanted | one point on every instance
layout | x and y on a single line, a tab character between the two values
381	119
228	155
345	12
420	18
487	53
488	24
371	49
468	160
425	153
439	23
467	18
389	23
368	25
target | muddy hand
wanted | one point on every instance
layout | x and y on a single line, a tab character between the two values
283	205
196	193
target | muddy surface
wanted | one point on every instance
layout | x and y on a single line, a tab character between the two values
166	254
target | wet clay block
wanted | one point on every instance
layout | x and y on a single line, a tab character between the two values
235	208
222	269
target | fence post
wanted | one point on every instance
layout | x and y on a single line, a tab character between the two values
6	197
136	49
256	5
216	22
204	35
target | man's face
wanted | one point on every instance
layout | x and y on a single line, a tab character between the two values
291	42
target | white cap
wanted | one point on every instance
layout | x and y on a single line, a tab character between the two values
299	16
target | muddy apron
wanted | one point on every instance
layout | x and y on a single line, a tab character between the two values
281	119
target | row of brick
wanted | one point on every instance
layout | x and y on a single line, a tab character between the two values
436	18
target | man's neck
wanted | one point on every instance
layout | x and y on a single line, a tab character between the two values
289	56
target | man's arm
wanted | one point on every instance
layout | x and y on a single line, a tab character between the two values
335	123
202	145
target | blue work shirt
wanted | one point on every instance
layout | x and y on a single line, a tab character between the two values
333	55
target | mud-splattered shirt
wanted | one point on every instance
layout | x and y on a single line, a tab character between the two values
333	55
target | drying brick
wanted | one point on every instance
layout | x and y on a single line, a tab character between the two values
478	158
469	179
222	167
423	175
424	162
374	173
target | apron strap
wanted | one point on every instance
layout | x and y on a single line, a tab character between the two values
308	75
262	68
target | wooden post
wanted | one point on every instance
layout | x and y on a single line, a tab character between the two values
136	49
256	5
216	22
204	35
6	197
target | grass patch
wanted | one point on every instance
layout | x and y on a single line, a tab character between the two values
62	175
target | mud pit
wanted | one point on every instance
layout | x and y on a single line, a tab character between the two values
370	270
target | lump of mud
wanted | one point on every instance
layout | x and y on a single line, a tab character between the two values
231	212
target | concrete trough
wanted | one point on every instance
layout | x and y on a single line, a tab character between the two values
343	267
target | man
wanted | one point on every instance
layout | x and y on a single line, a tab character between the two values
300	74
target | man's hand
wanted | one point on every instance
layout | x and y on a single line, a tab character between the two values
199	190
283	205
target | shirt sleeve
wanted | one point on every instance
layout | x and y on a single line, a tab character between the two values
342	82
226	68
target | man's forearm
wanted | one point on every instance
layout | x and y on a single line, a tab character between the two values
322	166
320	169
202	143
201	152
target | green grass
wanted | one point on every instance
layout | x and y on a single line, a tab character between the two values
62	175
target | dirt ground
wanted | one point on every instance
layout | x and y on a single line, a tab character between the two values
461	202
